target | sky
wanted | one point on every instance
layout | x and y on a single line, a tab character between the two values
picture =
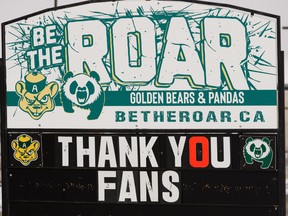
30	6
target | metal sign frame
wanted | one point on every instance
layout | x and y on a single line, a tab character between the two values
16	178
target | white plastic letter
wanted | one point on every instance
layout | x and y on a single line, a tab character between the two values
65	149
177	149
226	153
102	185
126	152
81	151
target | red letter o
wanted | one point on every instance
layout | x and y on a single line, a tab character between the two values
204	142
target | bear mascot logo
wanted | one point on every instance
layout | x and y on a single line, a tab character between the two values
258	150
84	91
25	149
36	96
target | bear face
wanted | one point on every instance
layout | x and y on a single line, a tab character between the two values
36	96
258	150
25	149
84	91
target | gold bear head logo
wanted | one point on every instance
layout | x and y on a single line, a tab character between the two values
36	96
25	149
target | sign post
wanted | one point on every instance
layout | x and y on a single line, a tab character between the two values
141	107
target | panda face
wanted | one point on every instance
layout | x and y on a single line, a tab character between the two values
83	93
257	148
82	89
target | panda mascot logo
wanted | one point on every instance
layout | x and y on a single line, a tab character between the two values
84	91
258	150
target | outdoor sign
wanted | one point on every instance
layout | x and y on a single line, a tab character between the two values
144	65
143	107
